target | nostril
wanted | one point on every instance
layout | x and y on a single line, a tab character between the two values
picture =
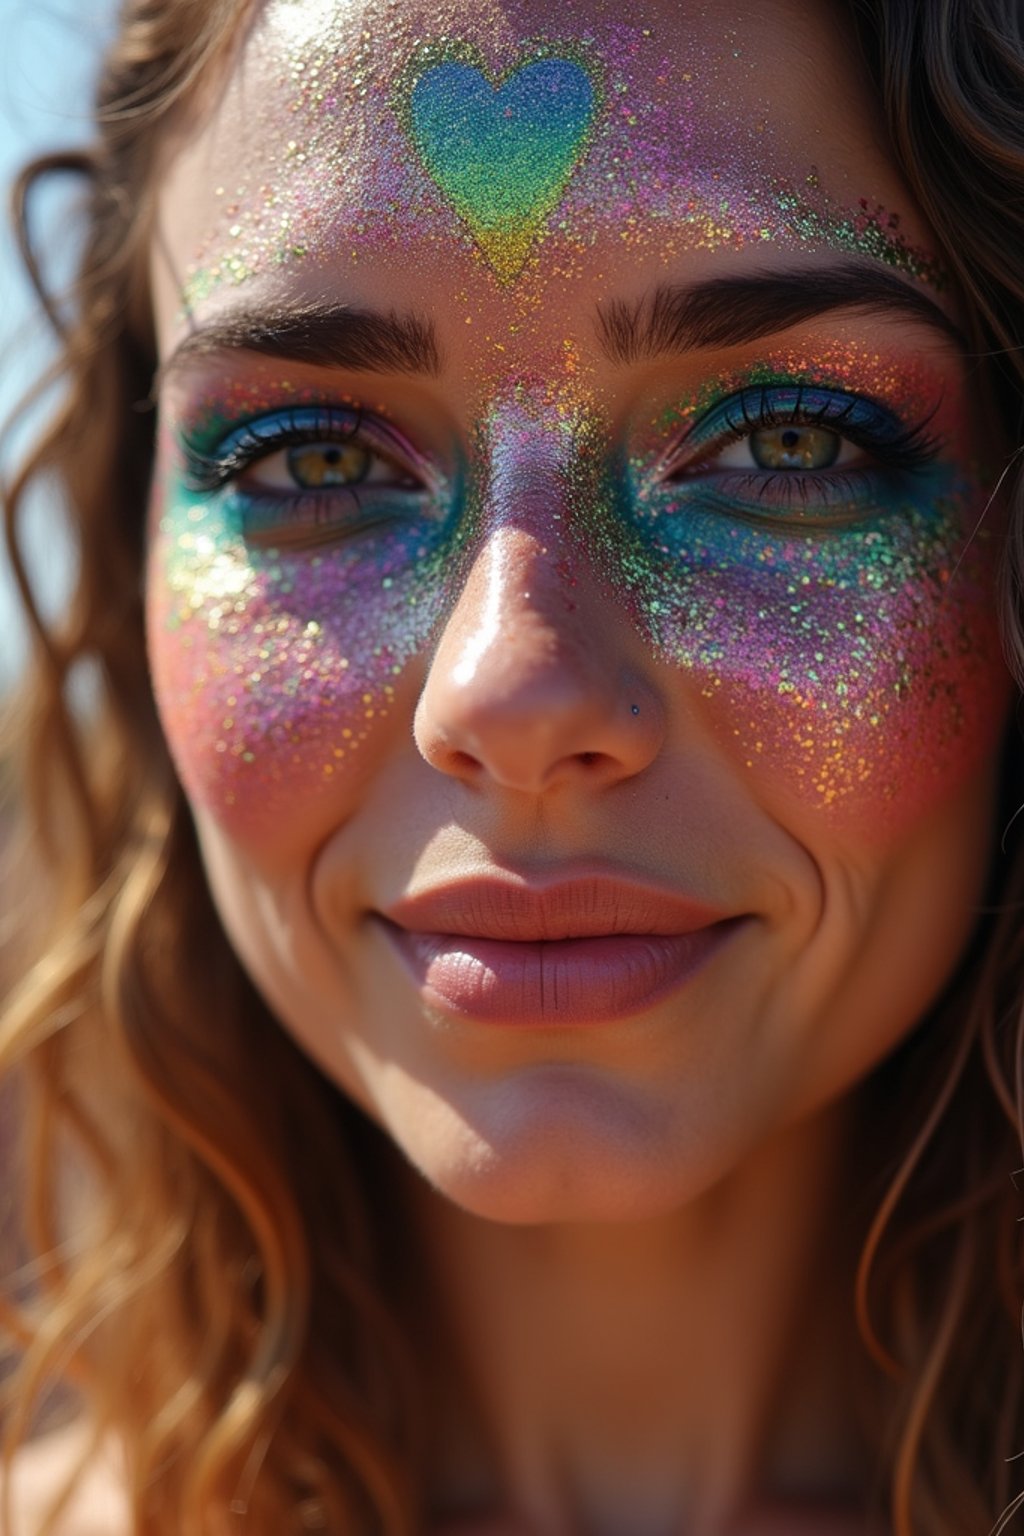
588	759
462	762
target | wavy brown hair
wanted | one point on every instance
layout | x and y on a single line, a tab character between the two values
214	1302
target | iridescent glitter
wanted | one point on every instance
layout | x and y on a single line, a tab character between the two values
499	150
856	662
277	657
840	639
502	150
834	632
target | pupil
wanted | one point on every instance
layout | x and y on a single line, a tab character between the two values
314	465
794	447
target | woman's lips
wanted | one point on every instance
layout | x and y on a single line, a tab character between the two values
553	981
582	952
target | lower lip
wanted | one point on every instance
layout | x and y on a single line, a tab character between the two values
554	983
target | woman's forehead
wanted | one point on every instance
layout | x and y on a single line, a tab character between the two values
522	147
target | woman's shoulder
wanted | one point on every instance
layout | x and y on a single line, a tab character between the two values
42	1467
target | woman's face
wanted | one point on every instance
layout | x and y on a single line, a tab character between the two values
571	600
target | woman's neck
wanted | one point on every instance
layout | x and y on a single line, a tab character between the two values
651	1378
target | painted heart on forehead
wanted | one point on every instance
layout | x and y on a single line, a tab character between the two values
502	150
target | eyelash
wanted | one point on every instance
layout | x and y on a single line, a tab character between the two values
306	512
687	468
895	448
256	440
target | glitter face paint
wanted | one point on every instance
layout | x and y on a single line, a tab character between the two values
523	156
716	615
837	626
286	620
503	150
843	635
840	634
831	639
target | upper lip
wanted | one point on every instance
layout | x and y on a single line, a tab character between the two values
594	906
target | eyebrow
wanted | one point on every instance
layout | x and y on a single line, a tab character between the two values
326	335
721	312
729	311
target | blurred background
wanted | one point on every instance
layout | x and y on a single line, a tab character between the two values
49	54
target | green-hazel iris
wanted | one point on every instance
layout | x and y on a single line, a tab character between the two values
318	464
794	447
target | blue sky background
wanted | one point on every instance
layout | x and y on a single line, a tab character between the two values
49	53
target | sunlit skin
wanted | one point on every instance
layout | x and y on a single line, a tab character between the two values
568	624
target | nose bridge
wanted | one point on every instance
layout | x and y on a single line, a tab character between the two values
531	462
515	614
531	681
541	476
522	593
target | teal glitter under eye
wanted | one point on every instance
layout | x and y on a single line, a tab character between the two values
846	662
843	659
837	621
280	659
393	482
871	458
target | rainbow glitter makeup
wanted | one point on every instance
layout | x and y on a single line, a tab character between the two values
500	150
476	147
834	625
828	622
282	621
839	621
855	661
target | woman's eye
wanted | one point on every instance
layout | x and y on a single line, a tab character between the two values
786	447
325	466
310	475
795	447
306	450
797	454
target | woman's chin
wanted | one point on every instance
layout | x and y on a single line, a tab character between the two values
559	1144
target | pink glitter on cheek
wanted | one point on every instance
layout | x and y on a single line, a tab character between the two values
870	696
836	632
840	626
276	669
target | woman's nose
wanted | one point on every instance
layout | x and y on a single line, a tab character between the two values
532	683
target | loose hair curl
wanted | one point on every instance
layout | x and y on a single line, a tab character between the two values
217	1304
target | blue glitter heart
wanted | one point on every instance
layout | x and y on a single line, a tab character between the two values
502	152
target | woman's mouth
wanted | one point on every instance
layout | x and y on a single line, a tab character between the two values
581	952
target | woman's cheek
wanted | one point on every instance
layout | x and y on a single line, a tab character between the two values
857	670
275	670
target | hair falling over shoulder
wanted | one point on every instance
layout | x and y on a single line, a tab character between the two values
215	1304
